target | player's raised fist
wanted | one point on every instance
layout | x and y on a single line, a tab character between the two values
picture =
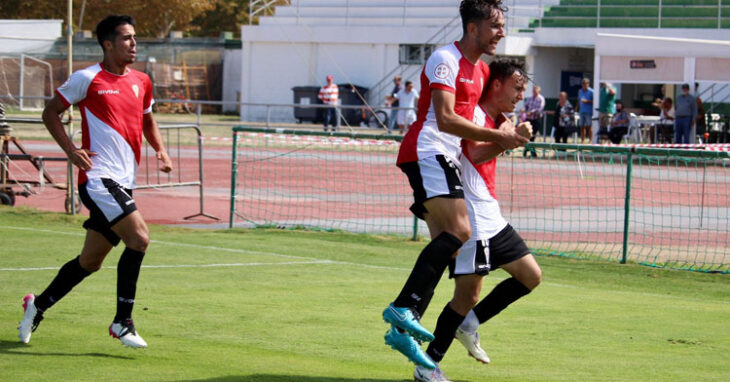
525	129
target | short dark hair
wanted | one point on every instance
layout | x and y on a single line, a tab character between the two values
409	83
685	86
477	10
503	68
106	30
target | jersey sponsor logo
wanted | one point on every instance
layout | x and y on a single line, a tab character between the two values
135	89
468	81
442	71
102	92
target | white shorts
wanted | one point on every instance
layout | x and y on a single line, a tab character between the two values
108	203
435	176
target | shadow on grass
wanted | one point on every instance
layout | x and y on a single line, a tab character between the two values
290	378
18	348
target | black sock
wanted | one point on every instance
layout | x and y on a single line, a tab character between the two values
446	326
426	298
505	293
127	273
68	277
428	269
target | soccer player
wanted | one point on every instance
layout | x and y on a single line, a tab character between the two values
494	243
451	85
116	104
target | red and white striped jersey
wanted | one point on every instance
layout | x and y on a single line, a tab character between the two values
479	181
447	69
111	109
329	94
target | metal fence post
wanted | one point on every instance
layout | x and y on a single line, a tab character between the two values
234	175
659	16
627	207
201	173
415	228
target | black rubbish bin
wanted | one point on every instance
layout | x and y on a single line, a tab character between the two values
307	95
352	95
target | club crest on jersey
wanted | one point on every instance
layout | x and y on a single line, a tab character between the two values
135	89
442	71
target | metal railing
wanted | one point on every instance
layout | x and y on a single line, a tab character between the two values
659	16
156	180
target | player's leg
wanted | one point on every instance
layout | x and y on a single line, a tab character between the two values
438	197
508	251
71	274
99	241
451	216
526	276
466	296
434	229
133	231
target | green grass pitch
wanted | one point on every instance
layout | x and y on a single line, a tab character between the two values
298	306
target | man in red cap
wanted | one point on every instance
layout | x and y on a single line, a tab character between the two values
329	95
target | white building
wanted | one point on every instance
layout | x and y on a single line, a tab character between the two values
367	42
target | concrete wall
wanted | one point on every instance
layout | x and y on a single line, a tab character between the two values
271	69
28	36
231	78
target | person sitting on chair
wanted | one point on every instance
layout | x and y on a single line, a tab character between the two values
619	125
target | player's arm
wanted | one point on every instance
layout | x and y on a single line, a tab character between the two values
483	151
450	122
81	158
153	136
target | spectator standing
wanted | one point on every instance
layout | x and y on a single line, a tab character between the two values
606	107
585	110
701	123
564	118
535	106
392	101
407	99
619	124
329	95
686	113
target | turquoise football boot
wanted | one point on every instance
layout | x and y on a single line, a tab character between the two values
404	319
409	347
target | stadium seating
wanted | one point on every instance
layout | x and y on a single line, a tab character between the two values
635	14
429	13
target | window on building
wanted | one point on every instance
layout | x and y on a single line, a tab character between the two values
415	54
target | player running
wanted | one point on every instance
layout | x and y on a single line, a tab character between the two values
116	106
494	243
451	84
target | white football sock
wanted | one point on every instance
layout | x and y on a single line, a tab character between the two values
470	323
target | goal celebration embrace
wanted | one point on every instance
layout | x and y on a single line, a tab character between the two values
364	190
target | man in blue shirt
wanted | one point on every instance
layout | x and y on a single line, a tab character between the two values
685	110
585	110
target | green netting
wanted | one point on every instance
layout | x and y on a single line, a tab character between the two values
327	181
569	201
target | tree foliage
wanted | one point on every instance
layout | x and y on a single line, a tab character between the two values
155	18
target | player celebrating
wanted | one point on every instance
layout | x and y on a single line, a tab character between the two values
116	104
451	85
494	243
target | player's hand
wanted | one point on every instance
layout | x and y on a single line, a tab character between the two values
512	140
505	124
165	159
81	158
525	129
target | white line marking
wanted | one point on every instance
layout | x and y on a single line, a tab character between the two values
310	260
221	265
